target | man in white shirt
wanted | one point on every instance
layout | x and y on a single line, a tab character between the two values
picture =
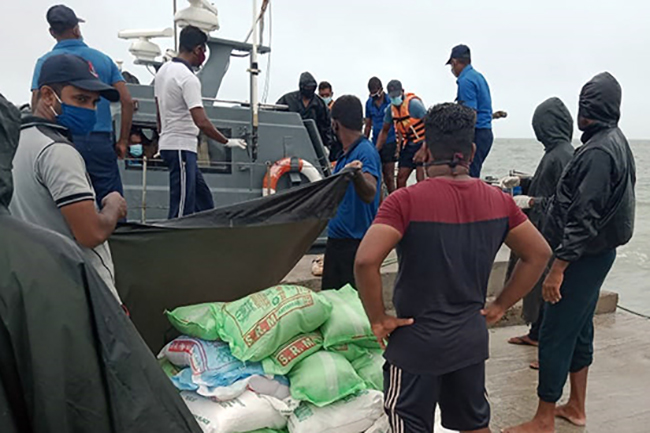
181	117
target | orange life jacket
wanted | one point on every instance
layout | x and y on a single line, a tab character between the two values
411	129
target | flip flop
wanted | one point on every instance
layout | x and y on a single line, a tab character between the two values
534	365
524	340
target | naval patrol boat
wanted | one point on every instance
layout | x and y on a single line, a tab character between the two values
283	150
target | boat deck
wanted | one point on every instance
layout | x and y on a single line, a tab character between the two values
618	399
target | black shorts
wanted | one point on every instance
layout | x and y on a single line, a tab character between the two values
407	154
388	153
410	399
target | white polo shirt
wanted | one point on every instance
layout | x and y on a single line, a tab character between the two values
177	90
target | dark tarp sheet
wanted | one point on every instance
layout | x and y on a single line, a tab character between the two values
218	255
70	359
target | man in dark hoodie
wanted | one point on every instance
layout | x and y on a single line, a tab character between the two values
305	102
70	359
591	214
553	128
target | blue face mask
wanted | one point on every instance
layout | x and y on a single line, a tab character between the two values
327	100
80	121
136	150
397	101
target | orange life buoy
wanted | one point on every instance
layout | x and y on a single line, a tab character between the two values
282	167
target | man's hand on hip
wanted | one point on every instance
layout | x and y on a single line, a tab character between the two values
386	325
493	312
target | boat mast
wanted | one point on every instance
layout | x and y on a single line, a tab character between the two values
254	72
175	26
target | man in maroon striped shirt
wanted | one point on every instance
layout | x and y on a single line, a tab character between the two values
447	231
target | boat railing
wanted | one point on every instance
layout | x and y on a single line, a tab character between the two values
144	165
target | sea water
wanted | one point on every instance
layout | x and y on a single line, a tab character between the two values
630	276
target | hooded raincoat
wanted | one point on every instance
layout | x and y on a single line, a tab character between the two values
593	208
70	359
316	110
553	128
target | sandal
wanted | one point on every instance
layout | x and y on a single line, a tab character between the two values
524	340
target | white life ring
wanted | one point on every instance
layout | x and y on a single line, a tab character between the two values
282	167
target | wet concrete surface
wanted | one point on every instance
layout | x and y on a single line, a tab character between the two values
618	399
618	393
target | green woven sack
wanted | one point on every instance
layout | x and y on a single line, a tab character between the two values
200	321
290	354
349	351
348	322
370	367
324	378
257	325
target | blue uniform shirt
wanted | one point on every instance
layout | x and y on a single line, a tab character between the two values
474	92
354	217
376	114
104	66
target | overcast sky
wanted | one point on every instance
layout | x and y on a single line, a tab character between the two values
528	51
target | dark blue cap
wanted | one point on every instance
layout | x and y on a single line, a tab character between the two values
394	88
460	52
77	72
61	17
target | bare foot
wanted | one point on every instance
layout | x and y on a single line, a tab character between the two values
571	414
534	426
534	365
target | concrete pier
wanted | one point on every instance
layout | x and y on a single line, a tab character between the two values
302	275
617	396
618	399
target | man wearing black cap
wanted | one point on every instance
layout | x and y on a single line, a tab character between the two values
52	187
474	92
304	102
97	146
590	216
71	361
405	112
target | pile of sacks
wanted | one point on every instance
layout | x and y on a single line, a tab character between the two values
284	359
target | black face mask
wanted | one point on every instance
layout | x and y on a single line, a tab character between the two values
307	92
378	95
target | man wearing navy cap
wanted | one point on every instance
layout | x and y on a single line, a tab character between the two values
474	92
97	146
51	186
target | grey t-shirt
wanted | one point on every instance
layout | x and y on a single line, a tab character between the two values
48	175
